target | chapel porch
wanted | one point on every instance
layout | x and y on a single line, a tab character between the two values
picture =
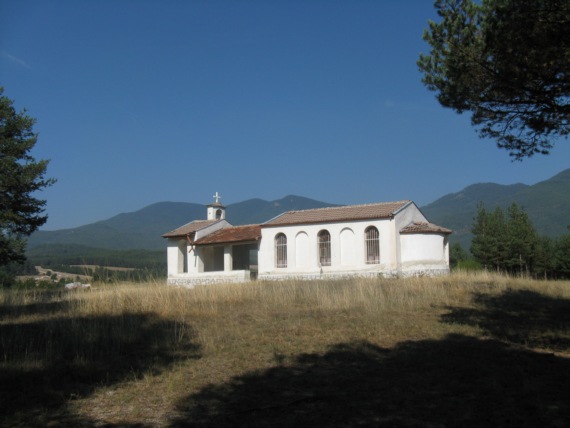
228	255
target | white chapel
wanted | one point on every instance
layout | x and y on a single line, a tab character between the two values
387	239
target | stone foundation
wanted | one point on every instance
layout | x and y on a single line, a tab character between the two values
237	277
210	278
352	274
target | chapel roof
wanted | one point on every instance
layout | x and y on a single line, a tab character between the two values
189	228
424	227
230	234
334	214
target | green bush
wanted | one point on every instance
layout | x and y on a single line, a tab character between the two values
7	279
468	265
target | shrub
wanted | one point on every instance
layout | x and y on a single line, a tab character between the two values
468	265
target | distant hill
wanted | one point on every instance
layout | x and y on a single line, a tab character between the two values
254	211
142	229
547	204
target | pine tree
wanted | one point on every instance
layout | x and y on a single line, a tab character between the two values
489	245
456	254
521	241
20	176
508	63
562	256
544	260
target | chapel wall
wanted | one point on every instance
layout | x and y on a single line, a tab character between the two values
347	247
424	246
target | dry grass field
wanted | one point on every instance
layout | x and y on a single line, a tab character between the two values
466	350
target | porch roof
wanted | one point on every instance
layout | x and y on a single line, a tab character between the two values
189	228
232	234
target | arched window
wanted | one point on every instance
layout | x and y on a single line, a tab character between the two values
372	240
281	251
324	239
218	214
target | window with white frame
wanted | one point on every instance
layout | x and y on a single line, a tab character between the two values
372	241
324	239
281	251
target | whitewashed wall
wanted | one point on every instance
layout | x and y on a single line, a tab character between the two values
178	262
399	254
174	256
409	214
347	248
417	247
425	253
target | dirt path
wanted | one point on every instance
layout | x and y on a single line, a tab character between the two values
43	274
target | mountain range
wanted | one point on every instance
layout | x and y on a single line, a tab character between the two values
142	229
547	204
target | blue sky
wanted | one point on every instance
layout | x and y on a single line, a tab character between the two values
146	101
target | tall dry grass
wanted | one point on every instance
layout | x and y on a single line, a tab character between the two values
160	341
258	302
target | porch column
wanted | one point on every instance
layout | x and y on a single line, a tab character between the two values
197	260
228	259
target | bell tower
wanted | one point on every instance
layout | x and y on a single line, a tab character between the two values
216	211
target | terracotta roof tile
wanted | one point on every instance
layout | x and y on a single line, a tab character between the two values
232	234
189	228
334	214
423	227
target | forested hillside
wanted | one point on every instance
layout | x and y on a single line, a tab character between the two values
547	204
143	229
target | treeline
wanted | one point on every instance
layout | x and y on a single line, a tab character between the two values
109	274
9	272
101	274
57	255
98	263
75	260
508	242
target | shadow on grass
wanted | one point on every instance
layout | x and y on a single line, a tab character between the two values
48	362
51	304
457	381
521	317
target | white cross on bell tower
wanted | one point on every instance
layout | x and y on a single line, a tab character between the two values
216	211
217	197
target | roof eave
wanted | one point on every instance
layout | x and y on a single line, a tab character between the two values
274	218
166	235
426	232
211	244
401	208
387	217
